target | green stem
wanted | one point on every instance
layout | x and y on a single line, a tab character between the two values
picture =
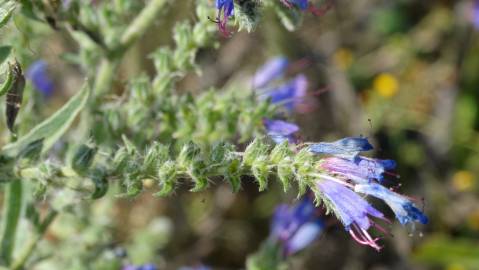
139	26
105	75
28	250
134	31
12	209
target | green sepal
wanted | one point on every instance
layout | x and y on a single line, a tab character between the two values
233	175
189	152
254	150
156	155
83	158
166	176
285	173
99	179
260	171
197	173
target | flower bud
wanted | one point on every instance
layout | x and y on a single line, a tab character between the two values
83	158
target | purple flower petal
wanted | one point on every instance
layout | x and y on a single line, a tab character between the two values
347	147
280	127
475	14
273	69
289	94
349	206
304	236
361	170
280	131
37	73
296	226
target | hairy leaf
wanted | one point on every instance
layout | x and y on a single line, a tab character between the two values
6	10
53	127
4	53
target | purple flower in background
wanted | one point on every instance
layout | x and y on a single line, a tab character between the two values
360	169
273	69
198	267
148	266
280	131
403	208
475	14
225	10
301	4
351	209
348	147
295	227
37	73
304	5
290	94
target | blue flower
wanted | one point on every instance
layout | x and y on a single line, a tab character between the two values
360	169
347	147
304	5
280	130
225	10
351	209
403	208
273	69
37	73
295	227
301	4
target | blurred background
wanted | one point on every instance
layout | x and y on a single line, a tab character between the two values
403	73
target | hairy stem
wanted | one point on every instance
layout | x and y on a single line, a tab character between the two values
105	76
134	31
139	26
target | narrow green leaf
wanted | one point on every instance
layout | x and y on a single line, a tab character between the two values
12	209
53	127
7	83
4	53
6	10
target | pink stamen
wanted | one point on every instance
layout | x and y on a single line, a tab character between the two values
356	238
337	180
392	174
319	91
298	65
362	236
287	3
381	229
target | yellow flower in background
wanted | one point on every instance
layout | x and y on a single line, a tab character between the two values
455	266
463	180
343	58
386	85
